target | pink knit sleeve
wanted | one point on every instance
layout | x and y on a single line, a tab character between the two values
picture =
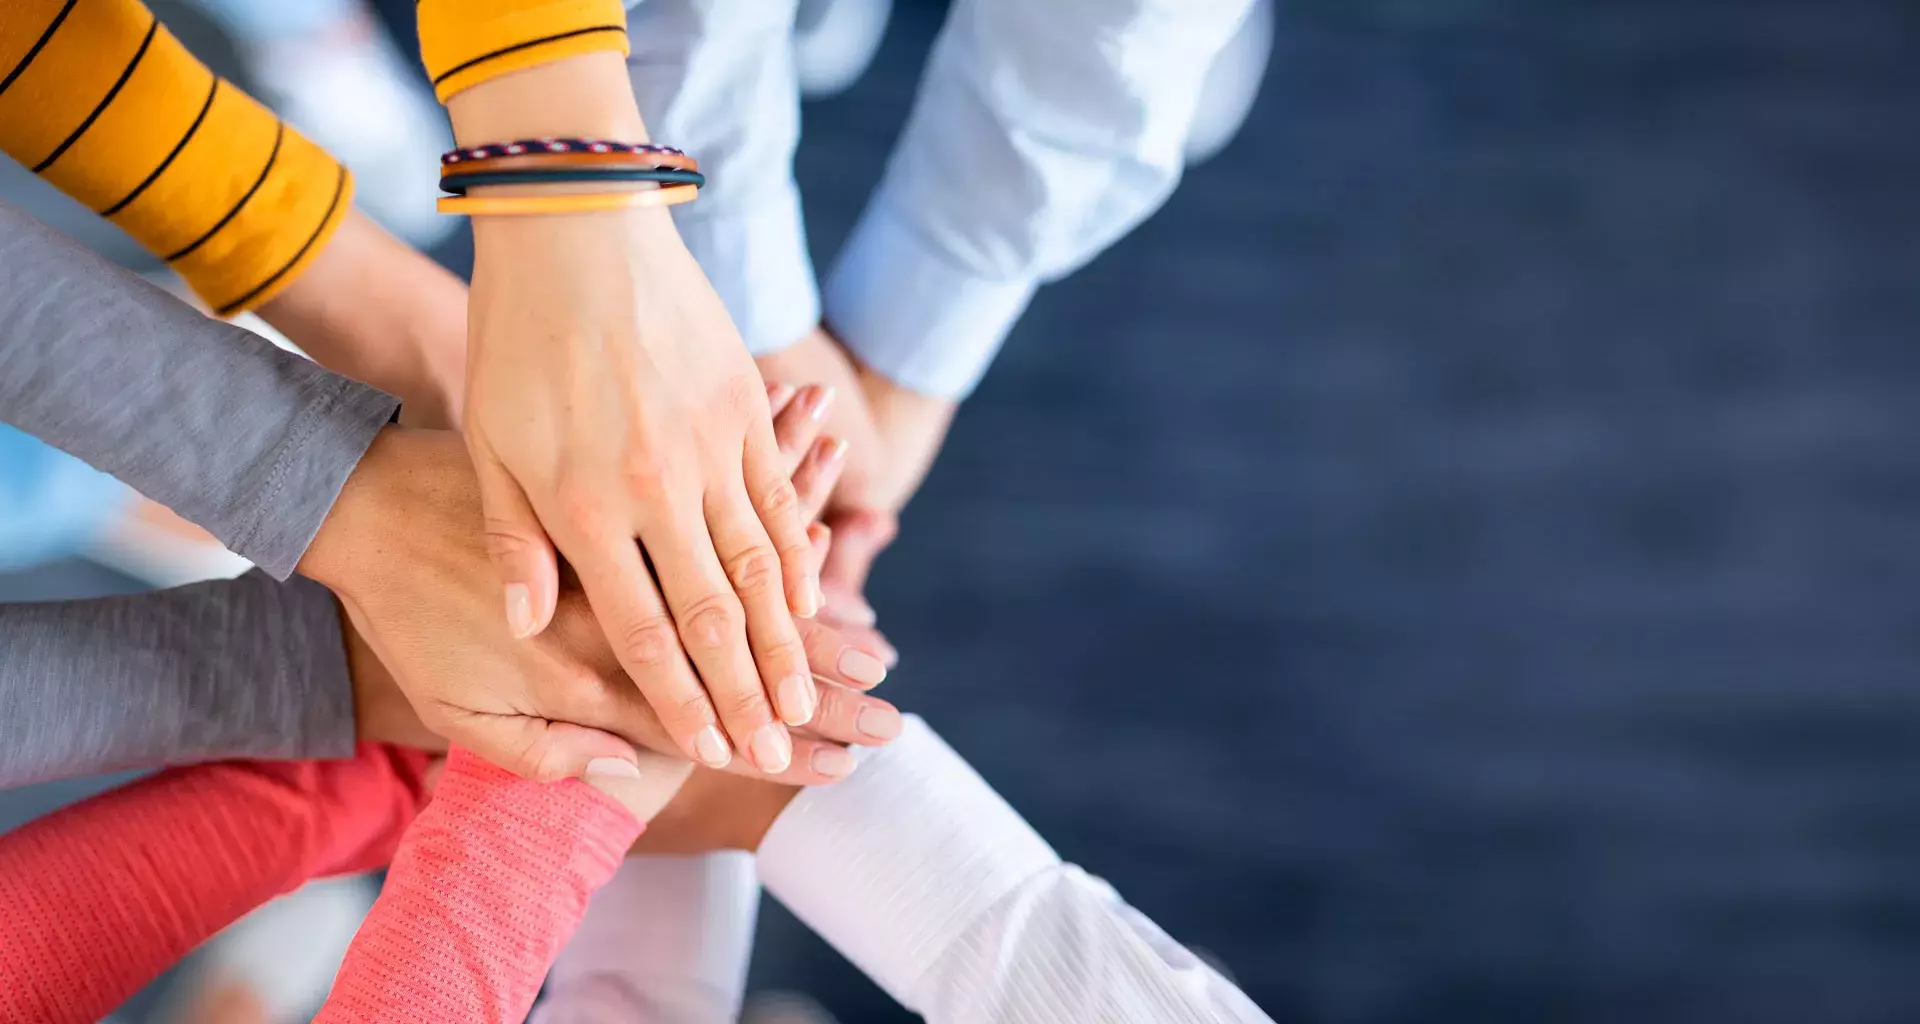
485	890
98	898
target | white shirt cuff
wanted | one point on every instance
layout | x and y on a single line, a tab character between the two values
912	313
757	259
892	865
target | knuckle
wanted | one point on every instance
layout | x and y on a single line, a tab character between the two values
690	712
744	393
712	622
649	643
790	655
582	509
754	571
747	704
644	474
780	500
505	538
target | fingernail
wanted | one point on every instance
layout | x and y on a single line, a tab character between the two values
615	768
881	723
711	748
809	605
861	667
519	610
772	750
779	395
796	700
833	762
832	450
819	410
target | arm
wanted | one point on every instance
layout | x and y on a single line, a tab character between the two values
249	442
923	877
105	894
489	884
1042	134
232	668
609	400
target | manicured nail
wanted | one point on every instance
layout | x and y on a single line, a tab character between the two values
519	610
711	748
614	768
833	762
861	667
819	410
809	605
772	750
778	395
795	695
881	723
832	450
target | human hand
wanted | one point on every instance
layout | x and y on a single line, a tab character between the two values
541	708
715	811
613	413
894	435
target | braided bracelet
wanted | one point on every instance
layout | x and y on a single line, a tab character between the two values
520	147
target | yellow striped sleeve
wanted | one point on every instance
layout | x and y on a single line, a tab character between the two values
103	102
466	42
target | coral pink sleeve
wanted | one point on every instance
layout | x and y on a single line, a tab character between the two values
102	896
486	888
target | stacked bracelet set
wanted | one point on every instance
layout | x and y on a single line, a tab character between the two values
552	161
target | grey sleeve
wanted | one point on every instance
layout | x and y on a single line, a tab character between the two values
250	442
248	667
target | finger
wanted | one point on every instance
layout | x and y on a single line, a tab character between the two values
858	538
779	396
717	586
795	426
816	761
642	785
832	656
814	478
754	571
534	748
819	541
518	547
772	496
646	640
849	716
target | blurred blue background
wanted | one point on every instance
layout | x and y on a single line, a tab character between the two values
1460	561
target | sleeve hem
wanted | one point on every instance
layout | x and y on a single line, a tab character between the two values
912	314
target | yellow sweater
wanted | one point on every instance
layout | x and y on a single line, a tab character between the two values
100	99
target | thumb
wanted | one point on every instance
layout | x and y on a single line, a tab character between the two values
518	547
644	785
858	538
542	751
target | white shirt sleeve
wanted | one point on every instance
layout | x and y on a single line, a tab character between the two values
1043	132
716	78
923	877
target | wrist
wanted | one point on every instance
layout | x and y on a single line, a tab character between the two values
588	96
406	479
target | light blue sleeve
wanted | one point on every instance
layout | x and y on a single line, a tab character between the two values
716	78
1043	132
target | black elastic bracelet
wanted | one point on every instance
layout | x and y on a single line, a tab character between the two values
459	183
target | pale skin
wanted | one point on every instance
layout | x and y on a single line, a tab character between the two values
560	701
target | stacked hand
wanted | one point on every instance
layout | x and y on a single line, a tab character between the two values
404	553
894	435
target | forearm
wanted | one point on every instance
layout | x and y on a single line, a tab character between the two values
923	877
103	102
249	442
1042	134
488	886
103	895
373	309
233	668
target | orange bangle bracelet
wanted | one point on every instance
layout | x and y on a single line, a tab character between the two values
591	202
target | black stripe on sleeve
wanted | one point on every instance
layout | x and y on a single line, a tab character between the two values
279	133
339	189
152	28
168	162
503	51
37	46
